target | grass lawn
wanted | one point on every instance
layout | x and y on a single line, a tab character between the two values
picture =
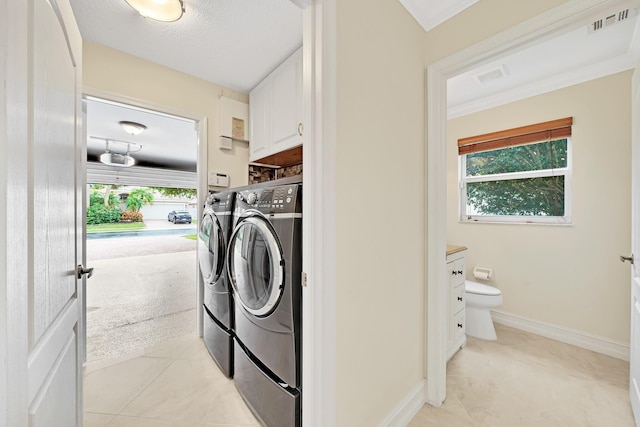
125	226
190	236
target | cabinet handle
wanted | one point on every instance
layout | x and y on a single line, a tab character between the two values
459	298
459	271
300	128
459	325
454	272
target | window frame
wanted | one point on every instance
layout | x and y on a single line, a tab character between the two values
567	172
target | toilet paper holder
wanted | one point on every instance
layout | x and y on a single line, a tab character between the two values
483	273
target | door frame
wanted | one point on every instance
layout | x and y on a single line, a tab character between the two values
541	27
203	141
14	321
635	236
319	368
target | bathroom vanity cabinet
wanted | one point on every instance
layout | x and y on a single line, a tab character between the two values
456	337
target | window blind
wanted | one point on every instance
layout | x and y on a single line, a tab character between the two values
547	131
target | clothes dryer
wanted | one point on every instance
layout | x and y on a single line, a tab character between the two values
218	319
264	260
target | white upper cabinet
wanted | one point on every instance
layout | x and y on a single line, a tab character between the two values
275	109
259	118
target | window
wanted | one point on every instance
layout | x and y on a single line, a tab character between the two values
518	175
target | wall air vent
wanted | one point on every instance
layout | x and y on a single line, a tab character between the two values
611	19
490	75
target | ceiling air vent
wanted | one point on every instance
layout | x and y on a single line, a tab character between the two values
490	75
614	18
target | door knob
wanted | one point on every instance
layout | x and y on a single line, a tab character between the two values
81	271
627	258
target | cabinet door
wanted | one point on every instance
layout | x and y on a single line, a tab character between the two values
259	100
286	103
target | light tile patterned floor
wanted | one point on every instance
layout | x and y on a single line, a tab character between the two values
521	380
176	384
526	380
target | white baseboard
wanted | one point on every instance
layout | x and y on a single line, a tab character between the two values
570	336
407	408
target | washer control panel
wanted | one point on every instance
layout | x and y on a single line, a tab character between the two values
220	201
281	199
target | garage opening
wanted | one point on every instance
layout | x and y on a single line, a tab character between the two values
142	212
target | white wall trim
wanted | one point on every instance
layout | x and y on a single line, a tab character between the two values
202	166
14	322
407	408
591	72
616	349
319	405
516	38
437	285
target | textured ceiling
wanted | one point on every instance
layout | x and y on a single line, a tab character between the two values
233	43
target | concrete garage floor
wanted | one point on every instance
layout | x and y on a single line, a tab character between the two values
142	293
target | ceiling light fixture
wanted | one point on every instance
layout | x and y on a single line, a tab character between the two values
132	128
160	10
118	159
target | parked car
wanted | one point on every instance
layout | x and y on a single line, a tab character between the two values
179	216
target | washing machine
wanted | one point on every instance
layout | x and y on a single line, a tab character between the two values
264	261
218	320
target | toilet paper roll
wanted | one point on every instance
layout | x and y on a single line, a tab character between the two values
482	273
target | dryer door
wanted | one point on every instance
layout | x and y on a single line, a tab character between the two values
256	265
211	247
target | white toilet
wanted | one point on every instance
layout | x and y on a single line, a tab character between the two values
479	299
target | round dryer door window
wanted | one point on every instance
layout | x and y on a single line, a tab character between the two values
256	266
211	248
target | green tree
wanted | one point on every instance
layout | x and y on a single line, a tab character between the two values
178	192
138	198
542	196
97	197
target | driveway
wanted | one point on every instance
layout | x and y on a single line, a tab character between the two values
125	247
143	292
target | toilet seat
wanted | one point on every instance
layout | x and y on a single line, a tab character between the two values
476	288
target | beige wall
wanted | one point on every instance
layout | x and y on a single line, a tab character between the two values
109	70
380	209
484	19
379	111
568	276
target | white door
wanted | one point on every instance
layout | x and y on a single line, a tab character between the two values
634	383
46	296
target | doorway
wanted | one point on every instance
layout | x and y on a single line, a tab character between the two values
144	289
525	35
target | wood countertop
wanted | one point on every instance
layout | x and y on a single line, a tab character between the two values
452	249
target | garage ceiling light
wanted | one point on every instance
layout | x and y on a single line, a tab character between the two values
132	128
160	10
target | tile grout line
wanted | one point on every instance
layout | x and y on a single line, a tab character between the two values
146	387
